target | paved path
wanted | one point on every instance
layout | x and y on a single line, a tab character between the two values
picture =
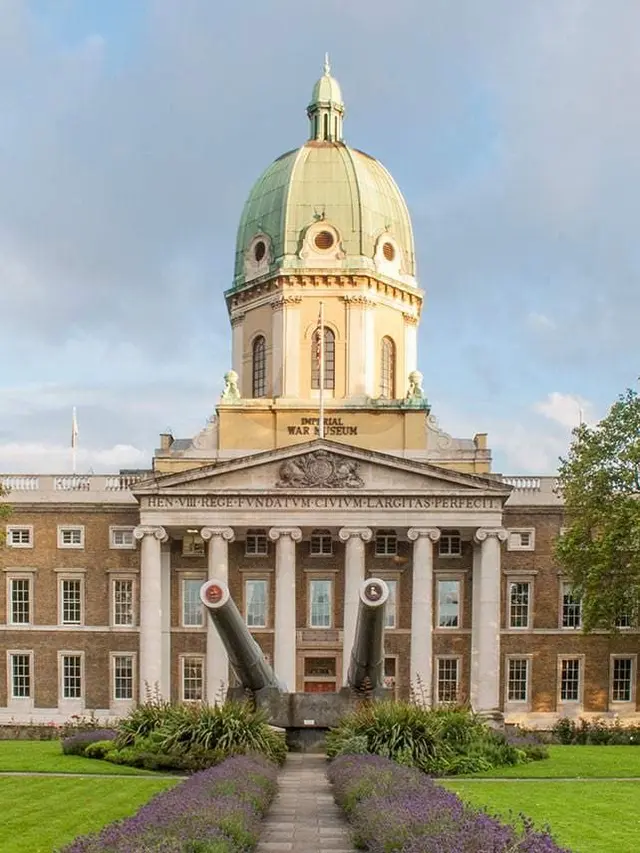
303	817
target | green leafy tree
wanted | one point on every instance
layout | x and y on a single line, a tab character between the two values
5	512
600	483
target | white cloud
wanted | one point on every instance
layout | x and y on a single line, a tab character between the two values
568	410
540	322
42	458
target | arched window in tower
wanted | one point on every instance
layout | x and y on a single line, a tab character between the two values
259	367
388	369
329	359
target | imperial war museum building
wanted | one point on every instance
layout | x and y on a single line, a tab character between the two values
99	600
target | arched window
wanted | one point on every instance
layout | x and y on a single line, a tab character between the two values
388	369
259	367
329	359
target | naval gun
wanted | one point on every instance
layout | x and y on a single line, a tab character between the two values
305	716
366	668
245	655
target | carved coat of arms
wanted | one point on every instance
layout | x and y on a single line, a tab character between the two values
320	470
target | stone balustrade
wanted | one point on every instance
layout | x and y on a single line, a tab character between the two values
88	488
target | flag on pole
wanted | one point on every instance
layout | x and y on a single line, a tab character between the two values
319	332
74	430
320	358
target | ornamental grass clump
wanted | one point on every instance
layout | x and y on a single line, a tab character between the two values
191	737
440	741
215	811
394	809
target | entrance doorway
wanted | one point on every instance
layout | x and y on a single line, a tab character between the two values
320	674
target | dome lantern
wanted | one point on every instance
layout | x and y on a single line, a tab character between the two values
326	110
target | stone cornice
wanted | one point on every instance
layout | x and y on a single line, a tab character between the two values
308	280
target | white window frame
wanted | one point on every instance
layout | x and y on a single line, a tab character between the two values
183	659
19	576
74	545
265	581
259	534
564	584
113	656
448	537
448	578
321	535
121	528
631	702
522	704
70	576
62	699
19	700
184	579
436	679
571	703
310	583
113	580
9	530
386	535
525	579
391	607
514	540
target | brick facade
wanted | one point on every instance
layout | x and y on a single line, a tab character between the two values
543	643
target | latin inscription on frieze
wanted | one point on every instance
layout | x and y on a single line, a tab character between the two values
337	502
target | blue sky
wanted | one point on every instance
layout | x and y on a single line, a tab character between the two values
132	132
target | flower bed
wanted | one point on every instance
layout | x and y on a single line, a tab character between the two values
215	811
393	808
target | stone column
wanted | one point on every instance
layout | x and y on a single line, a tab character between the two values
354	570
421	661
217	675
150	665
485	630
284	645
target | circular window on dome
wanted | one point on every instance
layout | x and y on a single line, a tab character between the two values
389	251
324	240
259	250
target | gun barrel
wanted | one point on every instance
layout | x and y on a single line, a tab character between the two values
367	656
245	655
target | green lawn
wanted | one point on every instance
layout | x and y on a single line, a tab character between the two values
46	757
40	814
577	762
586	817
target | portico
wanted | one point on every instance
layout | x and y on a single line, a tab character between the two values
355	496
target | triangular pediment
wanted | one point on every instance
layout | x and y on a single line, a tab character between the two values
325	466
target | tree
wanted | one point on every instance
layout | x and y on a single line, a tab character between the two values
5	512
600	483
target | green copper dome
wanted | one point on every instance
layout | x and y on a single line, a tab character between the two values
329	188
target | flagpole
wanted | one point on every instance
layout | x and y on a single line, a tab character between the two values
321	331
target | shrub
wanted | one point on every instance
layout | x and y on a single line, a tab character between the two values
78	743
394	808
597	732
141	721
217	811
438	741
99	748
